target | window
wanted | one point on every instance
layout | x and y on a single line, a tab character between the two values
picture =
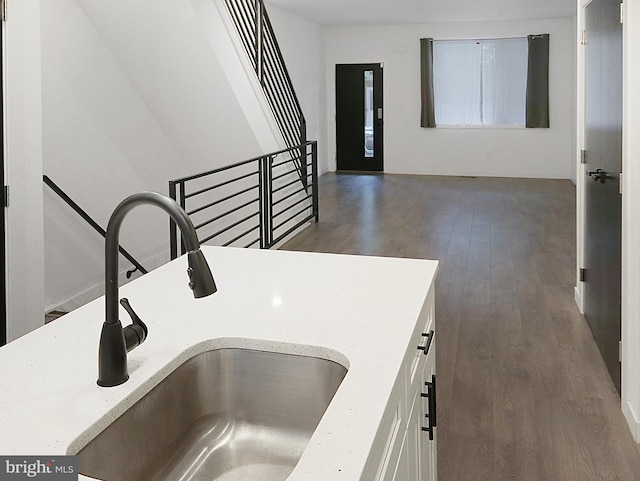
480	83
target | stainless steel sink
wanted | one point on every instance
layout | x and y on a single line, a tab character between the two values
228	414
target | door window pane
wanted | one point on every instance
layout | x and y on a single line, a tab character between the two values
368	113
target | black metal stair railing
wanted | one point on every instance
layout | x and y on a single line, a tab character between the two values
82	213
256	33
254	203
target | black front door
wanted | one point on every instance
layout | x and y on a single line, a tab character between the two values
603	211
359	117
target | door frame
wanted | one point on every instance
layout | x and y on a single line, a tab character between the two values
630	214
3	194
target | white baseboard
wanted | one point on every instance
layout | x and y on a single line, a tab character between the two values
97	290
77	300
632	420
577	292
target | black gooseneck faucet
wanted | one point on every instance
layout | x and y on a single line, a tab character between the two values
115	341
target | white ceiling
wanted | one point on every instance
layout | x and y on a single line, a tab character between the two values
379	12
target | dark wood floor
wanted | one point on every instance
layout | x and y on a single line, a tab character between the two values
522	391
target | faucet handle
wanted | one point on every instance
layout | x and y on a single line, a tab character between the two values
135	333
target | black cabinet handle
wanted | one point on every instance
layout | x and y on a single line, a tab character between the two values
431	415
426	347
433	402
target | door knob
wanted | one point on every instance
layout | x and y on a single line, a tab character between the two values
598	175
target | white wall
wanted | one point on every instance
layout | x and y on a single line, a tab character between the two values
100	144
303	47
132	97
163	49
409	149
23	158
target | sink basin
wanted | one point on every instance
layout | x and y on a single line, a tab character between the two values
226	414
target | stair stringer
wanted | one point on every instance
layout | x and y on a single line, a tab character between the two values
227	46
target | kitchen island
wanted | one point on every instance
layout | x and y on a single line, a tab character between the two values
372	315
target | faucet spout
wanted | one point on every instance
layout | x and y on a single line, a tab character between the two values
112	355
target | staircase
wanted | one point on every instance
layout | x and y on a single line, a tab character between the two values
252	23
261	201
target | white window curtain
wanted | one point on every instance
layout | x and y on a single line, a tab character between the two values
456	82
480	82
505	81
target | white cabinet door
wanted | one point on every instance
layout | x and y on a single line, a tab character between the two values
403	448
415	437
397	456
402	470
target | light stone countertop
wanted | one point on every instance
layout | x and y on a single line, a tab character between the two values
355	310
